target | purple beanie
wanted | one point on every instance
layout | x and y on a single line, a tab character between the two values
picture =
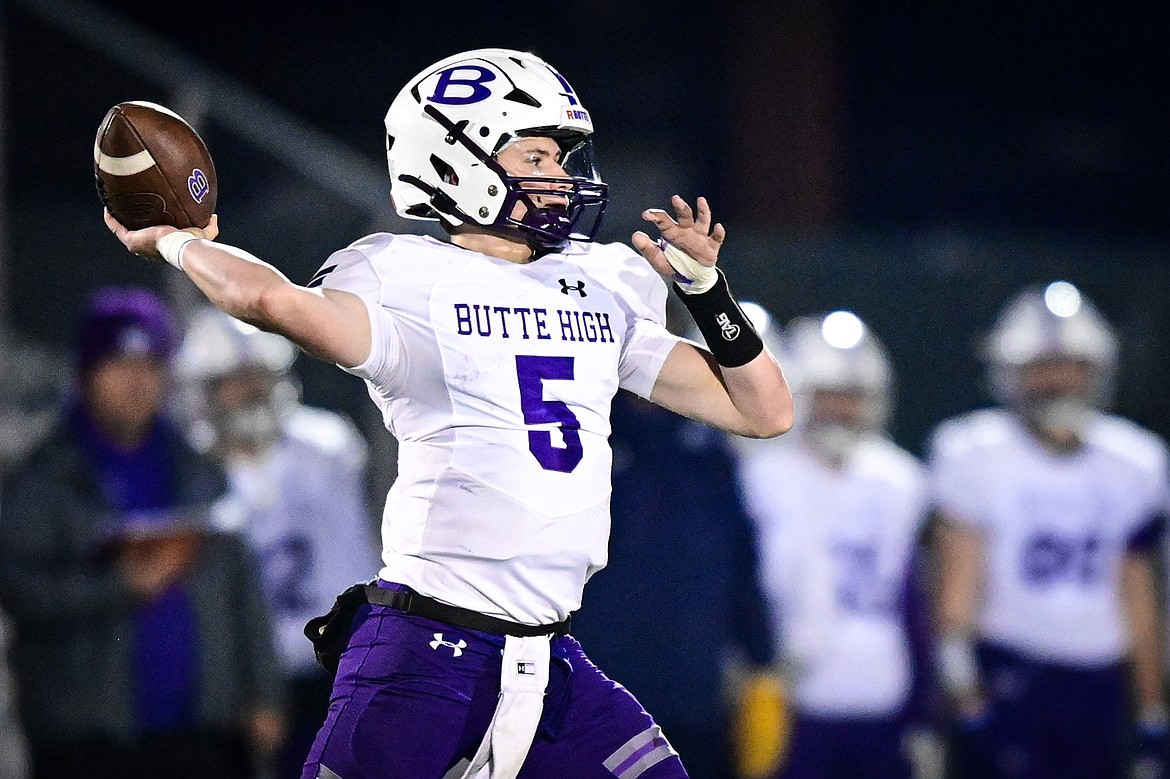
123	321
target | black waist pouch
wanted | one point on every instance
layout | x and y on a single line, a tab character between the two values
330	632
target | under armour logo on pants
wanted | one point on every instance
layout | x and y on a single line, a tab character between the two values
456	648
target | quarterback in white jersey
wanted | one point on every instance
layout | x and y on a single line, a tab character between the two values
839	509
1051	509
494	359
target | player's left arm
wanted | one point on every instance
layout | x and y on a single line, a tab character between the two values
751	400
741	389
1140	603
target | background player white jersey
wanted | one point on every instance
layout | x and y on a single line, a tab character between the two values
837	547
839	509
1058	527
302	508
297	494
498	390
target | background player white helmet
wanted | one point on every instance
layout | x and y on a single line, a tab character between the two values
447	124
838	353
1045	325
216	348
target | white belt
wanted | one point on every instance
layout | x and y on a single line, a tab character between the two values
523	680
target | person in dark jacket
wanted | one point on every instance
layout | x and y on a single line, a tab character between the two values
141	645
680	596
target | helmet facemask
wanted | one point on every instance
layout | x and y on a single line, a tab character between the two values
1061	410
252	421
833	434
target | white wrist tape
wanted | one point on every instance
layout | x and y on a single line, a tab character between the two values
692	276
171	245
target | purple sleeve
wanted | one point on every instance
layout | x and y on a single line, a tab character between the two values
1147	536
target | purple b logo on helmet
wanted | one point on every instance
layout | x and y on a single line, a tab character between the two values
197	184
462	85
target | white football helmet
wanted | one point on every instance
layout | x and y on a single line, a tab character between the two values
837	352
1048	323
445	127
216	346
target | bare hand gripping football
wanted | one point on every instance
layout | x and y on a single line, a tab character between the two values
153	169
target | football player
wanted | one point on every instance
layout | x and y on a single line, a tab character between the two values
297	494
839	508
494	357
1050	509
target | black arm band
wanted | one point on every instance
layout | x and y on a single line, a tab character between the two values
730	335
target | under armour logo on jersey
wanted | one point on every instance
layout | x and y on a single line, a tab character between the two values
729	329
456	648
579	288
526	669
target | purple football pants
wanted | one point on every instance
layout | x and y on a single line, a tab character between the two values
1046	721
413	698
846	749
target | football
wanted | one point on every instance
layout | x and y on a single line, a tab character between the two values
152	168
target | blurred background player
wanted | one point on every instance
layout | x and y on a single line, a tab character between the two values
840	508
296	478
141	644
1050	510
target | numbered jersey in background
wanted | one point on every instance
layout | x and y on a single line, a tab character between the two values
302	508
1055	527
836	550
496	378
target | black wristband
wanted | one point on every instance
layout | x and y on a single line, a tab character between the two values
730	335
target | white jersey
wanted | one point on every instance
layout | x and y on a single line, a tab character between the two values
836	548
496	378
1055	527
301	506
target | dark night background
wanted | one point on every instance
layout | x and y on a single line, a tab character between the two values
917	162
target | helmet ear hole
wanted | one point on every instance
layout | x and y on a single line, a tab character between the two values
446	173
522	97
